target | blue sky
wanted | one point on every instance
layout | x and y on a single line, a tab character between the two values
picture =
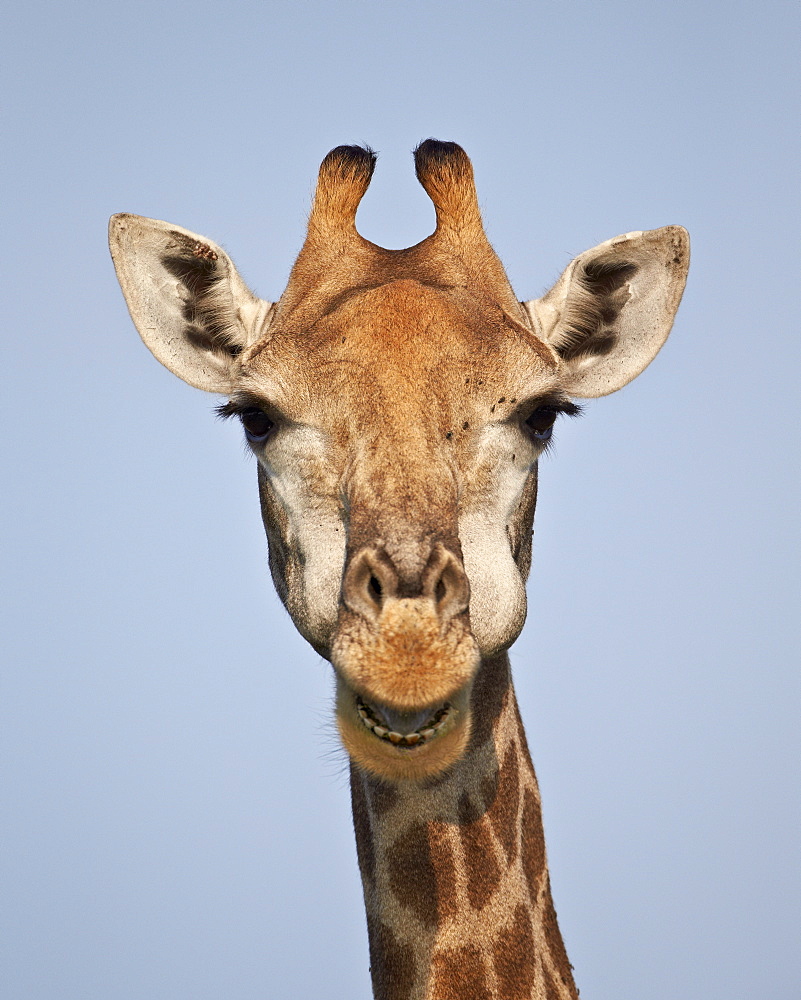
177	821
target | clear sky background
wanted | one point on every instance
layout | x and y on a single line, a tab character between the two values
176	822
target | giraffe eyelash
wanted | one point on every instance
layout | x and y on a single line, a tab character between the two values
242	404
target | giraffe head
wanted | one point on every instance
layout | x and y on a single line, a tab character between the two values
397	403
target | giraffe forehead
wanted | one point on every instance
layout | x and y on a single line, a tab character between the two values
415	352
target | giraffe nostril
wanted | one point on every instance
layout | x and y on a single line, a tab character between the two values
370	578
445	580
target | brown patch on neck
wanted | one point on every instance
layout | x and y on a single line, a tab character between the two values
382	797
489	690
445	866
533	843
392	964
513	956
479	856
412	877
504	810
459	973
365	847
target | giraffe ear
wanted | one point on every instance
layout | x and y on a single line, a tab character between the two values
186	299
613	308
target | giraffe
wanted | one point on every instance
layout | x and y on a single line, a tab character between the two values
397	403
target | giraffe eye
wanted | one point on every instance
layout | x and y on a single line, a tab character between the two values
540	423
257	425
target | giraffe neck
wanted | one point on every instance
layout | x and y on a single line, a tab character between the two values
455	878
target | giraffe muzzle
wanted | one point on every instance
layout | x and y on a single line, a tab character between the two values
405	658
403	641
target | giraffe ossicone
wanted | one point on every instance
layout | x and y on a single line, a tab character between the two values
397	402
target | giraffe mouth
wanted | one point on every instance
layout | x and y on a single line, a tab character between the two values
403	744
404	730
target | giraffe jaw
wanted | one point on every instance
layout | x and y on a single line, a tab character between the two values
403	745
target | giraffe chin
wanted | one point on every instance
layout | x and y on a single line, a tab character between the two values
411	752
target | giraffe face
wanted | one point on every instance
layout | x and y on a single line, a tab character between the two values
397	439
397	402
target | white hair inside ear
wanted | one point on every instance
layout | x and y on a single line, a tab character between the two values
186	299
612	309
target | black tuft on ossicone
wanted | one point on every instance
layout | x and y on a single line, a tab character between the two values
433	154
349	161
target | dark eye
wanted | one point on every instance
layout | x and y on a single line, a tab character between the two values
257	425
540	423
